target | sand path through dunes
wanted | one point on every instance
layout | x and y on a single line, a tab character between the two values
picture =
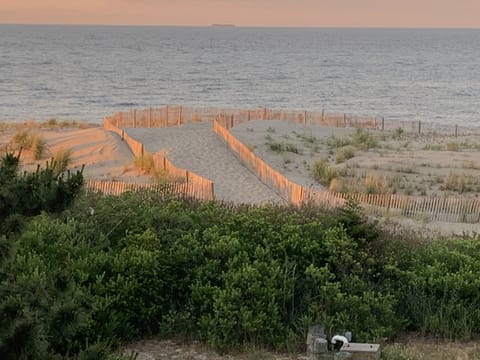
195	147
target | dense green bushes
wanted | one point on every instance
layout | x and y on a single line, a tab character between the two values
22	195
112	269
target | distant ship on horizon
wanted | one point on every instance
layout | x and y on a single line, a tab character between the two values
223	25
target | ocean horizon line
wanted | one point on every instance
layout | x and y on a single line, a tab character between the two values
240	26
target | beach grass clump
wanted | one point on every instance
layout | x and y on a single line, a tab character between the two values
323	172
21	138
24	139
276	147
307	139
145	163
397	133
375	185
335	142
364	139
395	183
433	147
419	349
456	182
339	185
38	147
470	164
453	146
344	154
269	138
61	160
280	147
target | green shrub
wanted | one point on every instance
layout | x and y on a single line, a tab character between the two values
111	269
29	194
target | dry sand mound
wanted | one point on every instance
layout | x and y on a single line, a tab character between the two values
103	153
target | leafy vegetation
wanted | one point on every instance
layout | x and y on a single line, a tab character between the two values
80	278
29	194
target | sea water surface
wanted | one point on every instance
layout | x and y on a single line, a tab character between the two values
87	72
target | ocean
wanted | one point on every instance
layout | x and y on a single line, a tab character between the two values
87	72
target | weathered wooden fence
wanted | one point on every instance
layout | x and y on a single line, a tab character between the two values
182	190
188	184
449	209
178	115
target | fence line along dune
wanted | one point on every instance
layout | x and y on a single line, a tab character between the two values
451	209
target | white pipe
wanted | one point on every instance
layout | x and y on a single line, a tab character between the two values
341	338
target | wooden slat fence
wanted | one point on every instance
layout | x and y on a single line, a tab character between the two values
289	190
449	209
231	118
178	115
189	183
183	190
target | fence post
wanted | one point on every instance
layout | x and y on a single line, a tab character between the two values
305	118
323	115
150	117
456	130
419	126
344	120
180	115
383	123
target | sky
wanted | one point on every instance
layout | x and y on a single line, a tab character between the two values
315	13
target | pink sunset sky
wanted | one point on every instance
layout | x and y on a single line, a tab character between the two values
321	13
